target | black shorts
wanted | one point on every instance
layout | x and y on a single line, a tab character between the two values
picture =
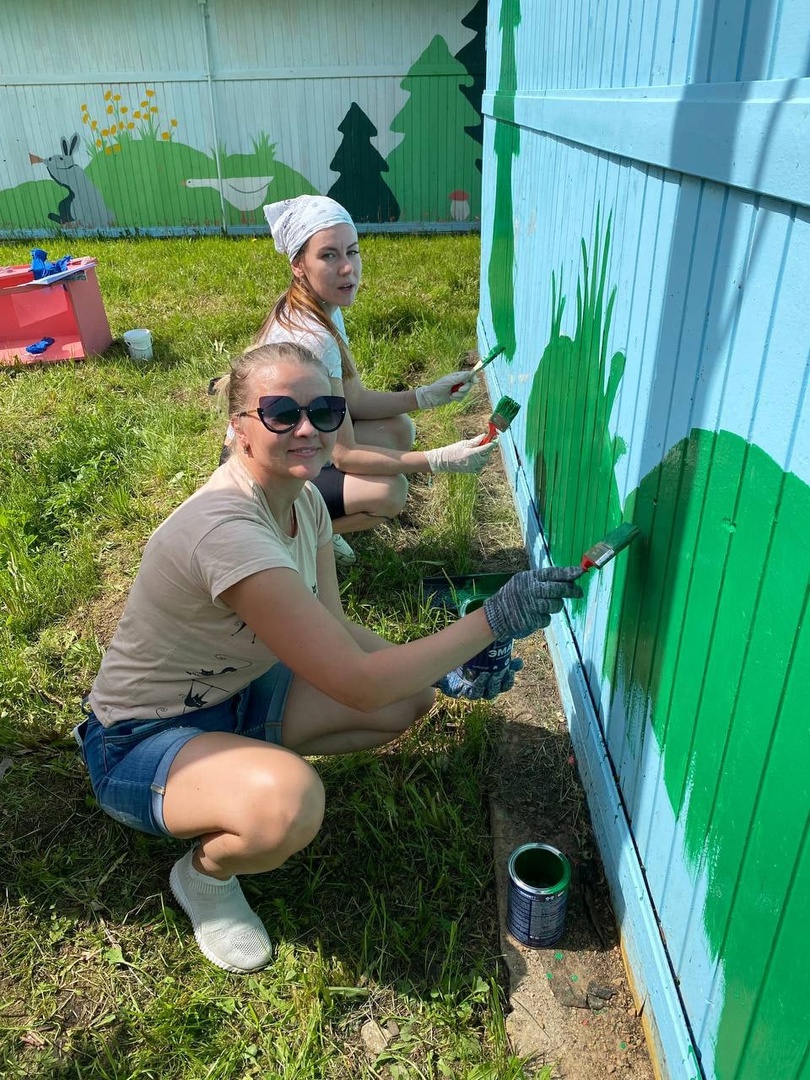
329	482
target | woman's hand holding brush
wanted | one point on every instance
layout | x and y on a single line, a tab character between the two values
466	456
452	387
528	600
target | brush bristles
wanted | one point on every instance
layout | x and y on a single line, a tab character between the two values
504	413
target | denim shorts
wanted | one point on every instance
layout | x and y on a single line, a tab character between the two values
130	761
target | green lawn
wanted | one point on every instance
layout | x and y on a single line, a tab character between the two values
389	916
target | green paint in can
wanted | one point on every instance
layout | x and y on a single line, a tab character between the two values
537	894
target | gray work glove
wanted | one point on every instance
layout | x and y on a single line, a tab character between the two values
467	456
441	392
529	599
486	685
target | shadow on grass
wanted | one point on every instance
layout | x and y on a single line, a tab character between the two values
402	858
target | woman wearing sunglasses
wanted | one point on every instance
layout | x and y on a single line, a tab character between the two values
366	482
233	659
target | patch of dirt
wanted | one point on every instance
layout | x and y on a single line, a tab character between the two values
571	1005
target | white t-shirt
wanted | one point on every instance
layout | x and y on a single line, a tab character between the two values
309	333
178	647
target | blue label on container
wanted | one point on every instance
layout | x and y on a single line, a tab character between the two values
496	657
533	918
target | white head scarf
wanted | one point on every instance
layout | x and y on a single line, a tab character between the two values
293	221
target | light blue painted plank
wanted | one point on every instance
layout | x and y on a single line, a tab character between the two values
778	414
783	26
749	135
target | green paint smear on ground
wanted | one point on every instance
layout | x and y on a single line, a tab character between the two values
567	436
501	267
707	628
707	624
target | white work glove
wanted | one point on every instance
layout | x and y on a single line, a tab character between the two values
467	456
441	392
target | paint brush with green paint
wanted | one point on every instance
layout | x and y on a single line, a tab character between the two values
606	549
491	355
501	417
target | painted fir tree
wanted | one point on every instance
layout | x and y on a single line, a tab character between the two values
435	161
361	188
473	56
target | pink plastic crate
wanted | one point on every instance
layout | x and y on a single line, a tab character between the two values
70	311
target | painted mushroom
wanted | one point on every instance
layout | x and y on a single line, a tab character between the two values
459	205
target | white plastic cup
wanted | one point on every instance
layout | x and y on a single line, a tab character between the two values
139	344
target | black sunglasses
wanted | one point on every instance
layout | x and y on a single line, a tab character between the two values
282	414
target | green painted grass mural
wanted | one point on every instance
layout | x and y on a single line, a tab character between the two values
501	266
707	635
142	176
567	435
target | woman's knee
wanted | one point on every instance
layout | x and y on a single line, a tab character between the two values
283	810
393	496
402	432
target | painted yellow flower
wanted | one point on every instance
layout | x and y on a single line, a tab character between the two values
150	93
108	95
85	119
107	149
93	125
99	142
130	126
116	149
137	114
124	109
165	135
154	109
110	108
105	132
113	129
173	123
144	104
116	97
84	108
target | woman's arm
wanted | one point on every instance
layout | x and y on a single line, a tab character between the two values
365	459
320	645
365	404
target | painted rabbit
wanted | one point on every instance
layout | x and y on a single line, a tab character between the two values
83	205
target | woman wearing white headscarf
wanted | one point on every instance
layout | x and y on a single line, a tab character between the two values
367	480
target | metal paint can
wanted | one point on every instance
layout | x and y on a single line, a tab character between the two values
537	894
495	658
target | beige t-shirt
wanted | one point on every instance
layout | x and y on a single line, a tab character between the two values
178	647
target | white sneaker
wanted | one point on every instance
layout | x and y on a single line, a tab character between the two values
230	934
344	553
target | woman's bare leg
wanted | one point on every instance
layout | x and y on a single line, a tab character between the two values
252	804
370	500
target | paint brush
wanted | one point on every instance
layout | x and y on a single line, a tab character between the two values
501	417
482	363
604	550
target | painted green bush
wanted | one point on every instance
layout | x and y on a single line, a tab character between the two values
708	627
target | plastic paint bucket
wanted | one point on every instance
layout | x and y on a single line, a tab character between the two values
139	344
537	894
494	658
